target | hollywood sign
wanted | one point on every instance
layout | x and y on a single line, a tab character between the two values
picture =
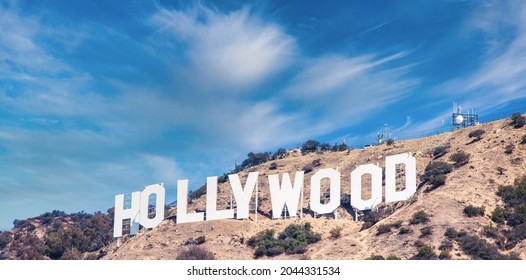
284	193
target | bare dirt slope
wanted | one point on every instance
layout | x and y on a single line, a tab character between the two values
474	183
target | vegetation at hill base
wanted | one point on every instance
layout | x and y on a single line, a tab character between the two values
72	236
477	248
293	240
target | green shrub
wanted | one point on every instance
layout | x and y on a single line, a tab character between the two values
66	237
393	257
515	235
451	233
518	120
425	231
419	217
478	248
523	139
273	166
446	245
419	243
336	232
517	216
435	173
472	211
425	252
370	218
387	227
514	117
490	231
195	253
390	142
71	254
376	258
441	150
28	247
383	229
460	158
444	255
514	195
308	168
397	224
437	180
477	134
200	240
404	230
436	168
293	240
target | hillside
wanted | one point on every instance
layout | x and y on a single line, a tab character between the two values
496	159
57	235
482	219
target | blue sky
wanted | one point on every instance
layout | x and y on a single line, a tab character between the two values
99	98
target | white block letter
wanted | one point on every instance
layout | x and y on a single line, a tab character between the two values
376	187
121	214
243	195
285	194
335	189
182	201
159	192
391	195
211	202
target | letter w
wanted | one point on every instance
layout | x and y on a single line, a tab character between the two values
285	194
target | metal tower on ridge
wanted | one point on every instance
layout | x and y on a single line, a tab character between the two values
462	120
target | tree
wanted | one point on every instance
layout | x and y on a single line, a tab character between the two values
309	147
254	159
325	147
279	154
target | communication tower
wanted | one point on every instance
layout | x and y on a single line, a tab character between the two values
384	135
462	120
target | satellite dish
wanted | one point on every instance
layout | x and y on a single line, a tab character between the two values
459	119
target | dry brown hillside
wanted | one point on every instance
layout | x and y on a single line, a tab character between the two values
474	183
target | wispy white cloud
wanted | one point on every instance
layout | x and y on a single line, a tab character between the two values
227	52
499	77
340	91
